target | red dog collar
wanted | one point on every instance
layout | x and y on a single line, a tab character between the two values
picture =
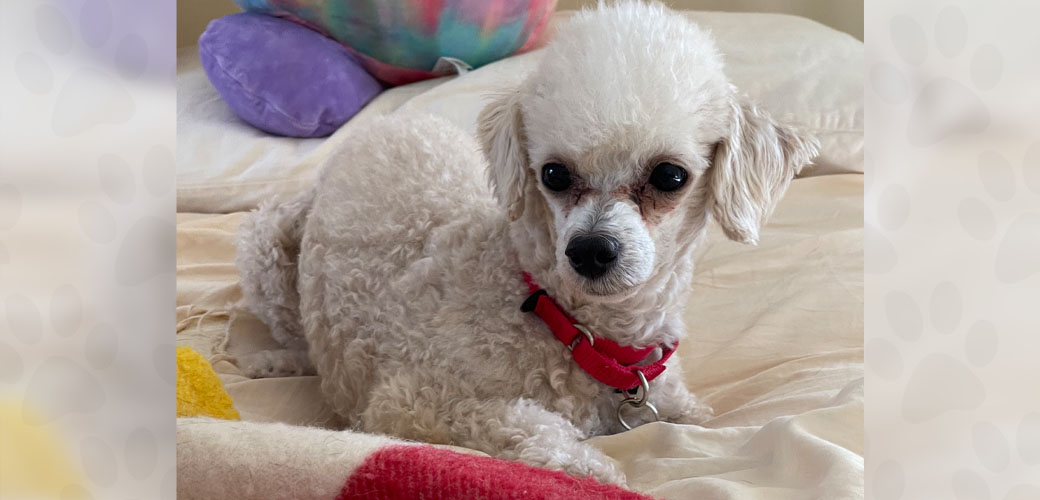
603	359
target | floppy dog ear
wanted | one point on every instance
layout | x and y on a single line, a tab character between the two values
500	128
751	170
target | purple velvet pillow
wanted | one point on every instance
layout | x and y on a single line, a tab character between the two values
283	78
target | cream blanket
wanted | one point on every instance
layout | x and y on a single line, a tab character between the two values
775	347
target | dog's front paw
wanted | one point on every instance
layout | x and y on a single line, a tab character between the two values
696	414
574	458
276	363
586	461
603	471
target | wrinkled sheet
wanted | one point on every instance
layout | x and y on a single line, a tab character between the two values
775	346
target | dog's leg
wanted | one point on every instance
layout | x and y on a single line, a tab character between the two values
268	247
523	430
520	430
675	403
275	363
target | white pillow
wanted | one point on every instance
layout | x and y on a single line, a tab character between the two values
801	71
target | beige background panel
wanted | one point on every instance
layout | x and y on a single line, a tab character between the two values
194	15
842	15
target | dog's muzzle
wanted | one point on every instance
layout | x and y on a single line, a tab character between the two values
593	255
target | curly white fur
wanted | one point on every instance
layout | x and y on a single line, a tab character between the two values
404	275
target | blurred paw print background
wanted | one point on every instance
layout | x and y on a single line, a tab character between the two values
87	123
952	250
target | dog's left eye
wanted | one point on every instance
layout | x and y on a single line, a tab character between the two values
668	177
556	177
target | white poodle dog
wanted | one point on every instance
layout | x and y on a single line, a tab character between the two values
405	278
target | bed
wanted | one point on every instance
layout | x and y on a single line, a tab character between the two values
775	343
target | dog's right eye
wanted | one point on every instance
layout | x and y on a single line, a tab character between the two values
668	177
556	177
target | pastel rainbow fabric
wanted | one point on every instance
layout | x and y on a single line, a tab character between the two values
400	41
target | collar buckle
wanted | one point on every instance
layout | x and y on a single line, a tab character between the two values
532	300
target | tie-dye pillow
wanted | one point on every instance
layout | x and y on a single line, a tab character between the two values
400	41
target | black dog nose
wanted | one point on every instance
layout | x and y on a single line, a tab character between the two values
592	255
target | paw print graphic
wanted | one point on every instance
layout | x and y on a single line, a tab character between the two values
941	382
978	348
1017	249
107	221
941	106
106	33
135	251
997	455
938	345
67	371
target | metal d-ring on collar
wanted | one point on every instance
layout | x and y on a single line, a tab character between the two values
588	336
637	402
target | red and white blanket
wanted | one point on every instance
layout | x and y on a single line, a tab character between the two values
232	460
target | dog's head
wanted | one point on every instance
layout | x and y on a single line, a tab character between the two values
628	135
